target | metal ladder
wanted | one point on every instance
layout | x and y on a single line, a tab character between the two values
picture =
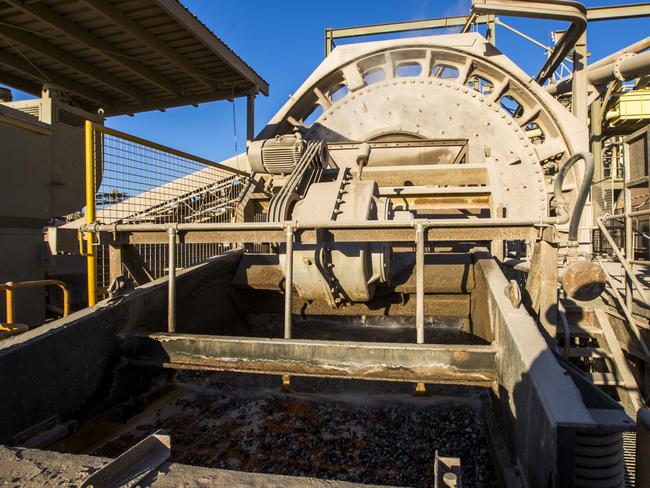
586	338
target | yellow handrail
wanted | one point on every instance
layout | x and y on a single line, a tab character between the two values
10	286
90	214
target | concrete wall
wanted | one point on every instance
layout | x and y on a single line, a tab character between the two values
21	259
68	367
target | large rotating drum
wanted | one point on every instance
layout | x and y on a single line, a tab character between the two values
454	126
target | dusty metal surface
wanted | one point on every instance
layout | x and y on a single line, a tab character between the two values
134	465
419	147
426	104
460	364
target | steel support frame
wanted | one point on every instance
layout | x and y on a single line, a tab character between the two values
573	12
618	12
539	399
331	35
457	364
593	15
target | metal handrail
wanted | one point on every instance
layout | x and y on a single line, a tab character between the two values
88	240
371	224
10	286
634	329
638	213
624	262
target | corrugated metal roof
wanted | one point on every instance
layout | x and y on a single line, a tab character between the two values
123	56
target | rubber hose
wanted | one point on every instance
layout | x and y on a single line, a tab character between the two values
583	192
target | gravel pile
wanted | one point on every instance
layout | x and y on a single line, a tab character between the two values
380	437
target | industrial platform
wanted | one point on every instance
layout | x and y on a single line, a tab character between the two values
429	268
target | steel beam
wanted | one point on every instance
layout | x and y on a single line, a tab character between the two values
579	105
42	12
175	102
573	12
176	10
152	42
250	118
466	364
594	14
407	26
288	282
617	12
19	83
46	75
45	48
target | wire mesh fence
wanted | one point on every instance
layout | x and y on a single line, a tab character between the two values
141	182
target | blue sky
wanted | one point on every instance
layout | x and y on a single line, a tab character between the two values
283	41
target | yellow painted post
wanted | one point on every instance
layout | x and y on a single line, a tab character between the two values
90	215
9	294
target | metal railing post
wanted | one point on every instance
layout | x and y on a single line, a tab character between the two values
90	214
288	286
420	388
10	303
288	283
419	283
629	234
643	447
171	280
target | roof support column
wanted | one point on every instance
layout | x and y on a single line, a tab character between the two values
579	85
250	117
491	33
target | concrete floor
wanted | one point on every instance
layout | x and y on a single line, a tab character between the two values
20	467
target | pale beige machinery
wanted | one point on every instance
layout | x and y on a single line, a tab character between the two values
416	212
444	127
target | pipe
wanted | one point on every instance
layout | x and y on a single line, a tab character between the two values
583	192
580	280
10	286
635	48
626	67
371	224
91	262
9	292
